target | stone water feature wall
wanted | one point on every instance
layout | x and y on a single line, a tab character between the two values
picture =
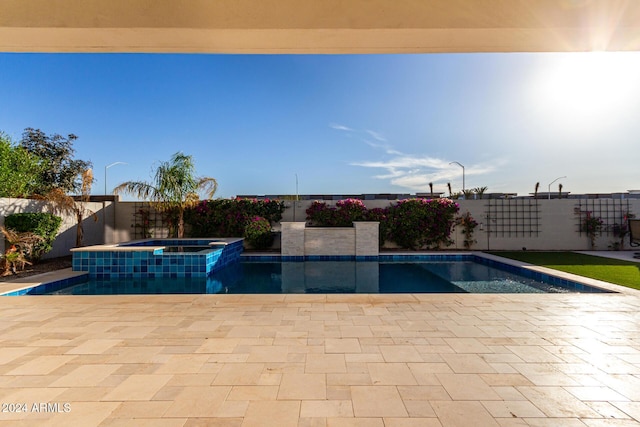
359	240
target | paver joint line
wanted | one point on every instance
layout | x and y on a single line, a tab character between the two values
306	361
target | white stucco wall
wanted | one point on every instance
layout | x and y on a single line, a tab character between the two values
558	224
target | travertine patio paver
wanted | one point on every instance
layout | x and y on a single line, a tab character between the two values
321	360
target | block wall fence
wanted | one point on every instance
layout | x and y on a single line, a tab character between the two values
96	231
505	224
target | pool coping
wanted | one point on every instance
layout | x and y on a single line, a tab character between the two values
612	287
58	278
62	278
133	247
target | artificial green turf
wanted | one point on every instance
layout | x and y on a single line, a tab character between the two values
610	270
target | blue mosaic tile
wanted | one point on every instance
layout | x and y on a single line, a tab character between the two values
49	287
116	264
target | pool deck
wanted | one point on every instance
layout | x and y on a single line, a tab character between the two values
321	360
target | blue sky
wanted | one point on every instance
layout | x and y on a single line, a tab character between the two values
344	124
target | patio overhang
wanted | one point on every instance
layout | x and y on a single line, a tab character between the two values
319	26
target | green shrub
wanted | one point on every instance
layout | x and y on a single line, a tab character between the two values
422	223
258	233
45	225
468	224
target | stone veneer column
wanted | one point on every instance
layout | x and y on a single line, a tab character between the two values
367	233
292	239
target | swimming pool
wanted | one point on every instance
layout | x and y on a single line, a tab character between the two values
273	275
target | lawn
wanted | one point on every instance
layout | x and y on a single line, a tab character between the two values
623	273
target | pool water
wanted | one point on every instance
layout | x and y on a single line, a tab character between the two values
251	277
187	249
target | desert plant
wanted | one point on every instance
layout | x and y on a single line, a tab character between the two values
62	203
431	189
560	191
16	256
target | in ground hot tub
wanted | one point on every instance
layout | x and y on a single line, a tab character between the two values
153	258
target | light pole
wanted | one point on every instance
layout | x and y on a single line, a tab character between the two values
105	174
456	163
549	187
295	202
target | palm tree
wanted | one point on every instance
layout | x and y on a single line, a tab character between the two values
62	203
480	191
175	187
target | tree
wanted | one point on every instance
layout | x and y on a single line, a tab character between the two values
480	191
62	171
64	204
20	171
175	187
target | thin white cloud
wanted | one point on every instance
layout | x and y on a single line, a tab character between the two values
340	127
381	143
376	135
407	171
415	173
386	147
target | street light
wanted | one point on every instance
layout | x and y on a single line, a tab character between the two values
549	188
296	201
105	174
456	163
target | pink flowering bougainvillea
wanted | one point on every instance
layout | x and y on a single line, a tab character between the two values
229	217
411	223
